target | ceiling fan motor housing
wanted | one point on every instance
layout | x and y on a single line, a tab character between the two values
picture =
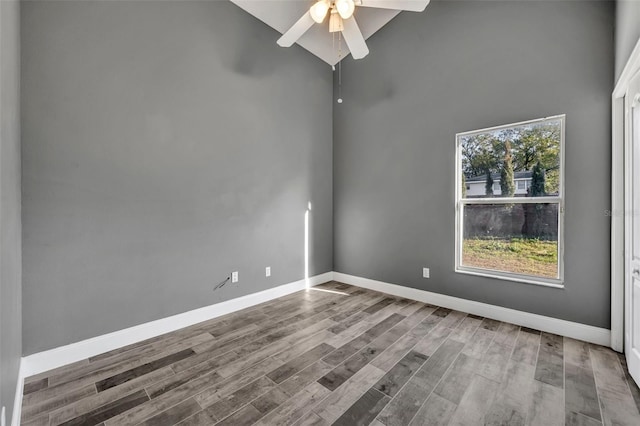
335	22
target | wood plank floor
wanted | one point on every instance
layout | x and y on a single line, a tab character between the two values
341	355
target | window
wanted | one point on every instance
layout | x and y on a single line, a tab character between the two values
510	226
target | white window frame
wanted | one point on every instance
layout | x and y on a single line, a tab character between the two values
559	199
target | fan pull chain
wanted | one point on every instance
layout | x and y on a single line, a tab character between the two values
333	67
340	82
333	41
340	68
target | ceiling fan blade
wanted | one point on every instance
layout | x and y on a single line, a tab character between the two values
354	39
410	5
296	31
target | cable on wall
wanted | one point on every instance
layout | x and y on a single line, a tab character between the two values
221	283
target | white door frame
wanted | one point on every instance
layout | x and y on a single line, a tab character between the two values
617	200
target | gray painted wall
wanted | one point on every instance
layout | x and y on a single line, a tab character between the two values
165	144
10	250
462	66
627	31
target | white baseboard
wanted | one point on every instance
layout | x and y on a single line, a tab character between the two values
600	336
17	402
57	357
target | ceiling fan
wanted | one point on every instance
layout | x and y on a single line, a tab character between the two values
341	19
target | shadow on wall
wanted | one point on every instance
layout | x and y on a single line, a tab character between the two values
242	51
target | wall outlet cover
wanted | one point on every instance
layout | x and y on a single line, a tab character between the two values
234	277
267	271
425	272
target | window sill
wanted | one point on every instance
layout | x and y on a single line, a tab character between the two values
553	283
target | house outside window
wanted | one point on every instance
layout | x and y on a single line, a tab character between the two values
509	220
476	185
522	185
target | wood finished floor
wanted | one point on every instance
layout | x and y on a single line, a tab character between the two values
343	356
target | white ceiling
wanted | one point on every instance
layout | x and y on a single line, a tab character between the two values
282	14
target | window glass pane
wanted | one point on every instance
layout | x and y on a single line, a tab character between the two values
515	238
492	159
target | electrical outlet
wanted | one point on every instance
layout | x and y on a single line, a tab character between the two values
267	271
234	277
425	272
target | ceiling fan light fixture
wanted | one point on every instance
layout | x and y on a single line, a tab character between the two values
345	8
319	10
